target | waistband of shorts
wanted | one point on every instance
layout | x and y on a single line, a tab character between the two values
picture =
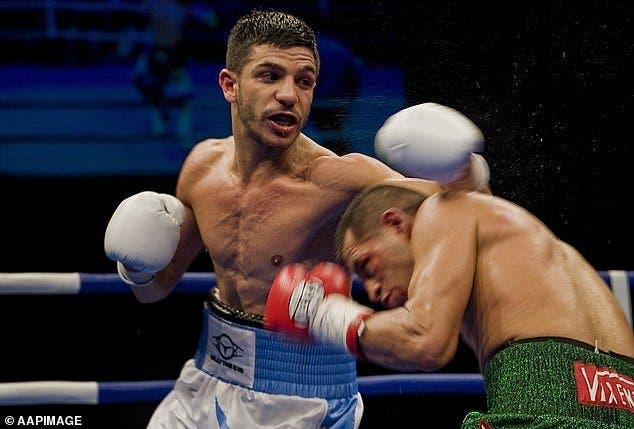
230	314
567	341
538	376
272	362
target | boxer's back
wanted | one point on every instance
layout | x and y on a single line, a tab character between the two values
531	284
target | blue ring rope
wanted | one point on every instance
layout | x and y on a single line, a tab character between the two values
372	385
201	282
127	392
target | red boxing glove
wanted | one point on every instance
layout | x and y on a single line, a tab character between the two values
337	319
297	305
296	293
333	277
277	314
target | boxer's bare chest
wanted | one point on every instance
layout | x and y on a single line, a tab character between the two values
253	230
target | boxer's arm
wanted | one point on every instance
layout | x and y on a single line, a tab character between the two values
352	173
190	243
187	243
424	333
434	145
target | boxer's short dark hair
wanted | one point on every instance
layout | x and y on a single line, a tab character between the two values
273	27
363	214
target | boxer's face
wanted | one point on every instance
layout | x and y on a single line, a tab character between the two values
274	93
383	262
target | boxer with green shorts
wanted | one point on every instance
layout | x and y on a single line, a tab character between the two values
472	266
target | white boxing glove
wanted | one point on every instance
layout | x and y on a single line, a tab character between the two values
428	141
143	234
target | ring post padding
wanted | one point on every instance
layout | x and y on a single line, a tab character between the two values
39	283
49	392
620	284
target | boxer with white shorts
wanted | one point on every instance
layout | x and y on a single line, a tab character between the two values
244	376
258	200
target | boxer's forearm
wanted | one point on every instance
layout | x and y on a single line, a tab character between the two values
393	339
158	288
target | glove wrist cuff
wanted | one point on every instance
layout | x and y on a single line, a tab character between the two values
480	171
134	278
355	329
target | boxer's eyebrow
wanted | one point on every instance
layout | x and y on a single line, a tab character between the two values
352	262
280	69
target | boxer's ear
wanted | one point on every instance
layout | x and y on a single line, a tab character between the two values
396	218
228	82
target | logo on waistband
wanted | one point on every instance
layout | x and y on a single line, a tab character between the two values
603	387
226	347
229	352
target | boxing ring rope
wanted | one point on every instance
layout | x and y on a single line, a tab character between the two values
123	392
621	282
118	392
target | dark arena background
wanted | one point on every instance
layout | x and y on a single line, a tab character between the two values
549	83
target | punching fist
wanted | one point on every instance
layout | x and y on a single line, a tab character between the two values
429	141
143	234
315	303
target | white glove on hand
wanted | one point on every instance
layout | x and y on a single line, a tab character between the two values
143	234
428	141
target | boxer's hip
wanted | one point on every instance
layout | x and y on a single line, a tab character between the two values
557	380
271	362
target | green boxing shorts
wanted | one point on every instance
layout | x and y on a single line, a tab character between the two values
556	383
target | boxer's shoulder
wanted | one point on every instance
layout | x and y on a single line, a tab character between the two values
204	163
442	207
351	172
210	149
209	153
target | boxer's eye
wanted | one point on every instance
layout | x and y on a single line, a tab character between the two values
269	76
362	269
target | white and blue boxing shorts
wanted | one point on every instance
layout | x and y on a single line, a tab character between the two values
247	377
